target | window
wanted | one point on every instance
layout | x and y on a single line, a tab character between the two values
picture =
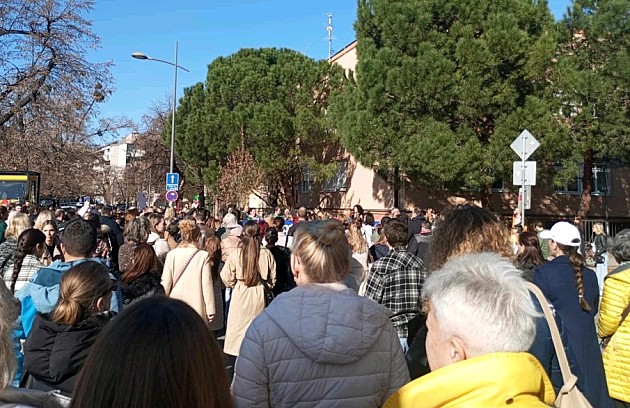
338	182
601	183
497	186
307	180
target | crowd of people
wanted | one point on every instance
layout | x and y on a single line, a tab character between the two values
164	309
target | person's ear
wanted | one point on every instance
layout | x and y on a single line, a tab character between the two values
63	249
295	266
457	349
102	304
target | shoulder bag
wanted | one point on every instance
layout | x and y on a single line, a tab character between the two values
569	395
267	292
181	271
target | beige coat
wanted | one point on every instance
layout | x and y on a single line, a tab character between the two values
246	302
195	284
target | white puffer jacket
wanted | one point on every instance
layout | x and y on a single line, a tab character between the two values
319	345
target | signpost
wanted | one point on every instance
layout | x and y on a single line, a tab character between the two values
524	171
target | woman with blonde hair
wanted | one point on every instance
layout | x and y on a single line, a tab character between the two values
600	254
16	225
58	343
187	275
42	217
246	270
320	342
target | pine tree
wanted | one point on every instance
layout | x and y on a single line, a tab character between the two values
444	86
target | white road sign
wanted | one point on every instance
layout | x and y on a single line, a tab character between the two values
524	145
530	173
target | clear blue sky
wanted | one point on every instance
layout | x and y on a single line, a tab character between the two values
207	29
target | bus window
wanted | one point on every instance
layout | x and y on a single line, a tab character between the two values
13	190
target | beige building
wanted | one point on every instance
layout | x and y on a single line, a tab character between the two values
357	184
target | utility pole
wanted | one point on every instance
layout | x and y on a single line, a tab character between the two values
329	29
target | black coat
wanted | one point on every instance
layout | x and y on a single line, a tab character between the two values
284	276
54	353
143	287
415	225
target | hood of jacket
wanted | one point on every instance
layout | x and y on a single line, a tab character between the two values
54	352
329	323
139	287
484	381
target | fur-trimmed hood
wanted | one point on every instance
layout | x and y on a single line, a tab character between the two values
142	287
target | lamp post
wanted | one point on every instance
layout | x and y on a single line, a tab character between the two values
141	56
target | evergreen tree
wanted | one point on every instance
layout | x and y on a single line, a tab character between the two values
591	83
278	98
444	86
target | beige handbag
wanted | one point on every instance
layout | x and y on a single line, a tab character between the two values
569	395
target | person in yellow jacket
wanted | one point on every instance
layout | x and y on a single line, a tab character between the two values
480	323
615	299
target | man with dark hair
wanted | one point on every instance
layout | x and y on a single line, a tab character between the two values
396	280
420	243
115	234
417	217
42	292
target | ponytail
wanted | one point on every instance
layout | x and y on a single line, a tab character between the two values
250	253
577	262
68	311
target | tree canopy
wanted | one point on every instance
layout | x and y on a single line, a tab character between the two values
591	85
443	87
276	99
49	91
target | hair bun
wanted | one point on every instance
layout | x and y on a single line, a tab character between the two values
332	233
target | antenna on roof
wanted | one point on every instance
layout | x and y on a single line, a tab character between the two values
329	28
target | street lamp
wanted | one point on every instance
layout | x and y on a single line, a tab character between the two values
142	56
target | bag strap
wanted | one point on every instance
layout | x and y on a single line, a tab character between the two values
181	271
555	333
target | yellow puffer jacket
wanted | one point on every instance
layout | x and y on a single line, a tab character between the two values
514	380
617	354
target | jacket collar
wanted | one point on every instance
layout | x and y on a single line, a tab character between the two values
484	381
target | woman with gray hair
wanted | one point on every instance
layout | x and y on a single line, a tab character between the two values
481	322
136	232
613	325
319	344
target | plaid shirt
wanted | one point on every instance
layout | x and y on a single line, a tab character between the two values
395	281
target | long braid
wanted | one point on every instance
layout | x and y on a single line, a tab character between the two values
27	243
20	254
577	261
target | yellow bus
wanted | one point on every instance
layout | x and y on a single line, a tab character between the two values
19	186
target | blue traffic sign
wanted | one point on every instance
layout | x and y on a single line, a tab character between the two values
171	196
172	178
172	181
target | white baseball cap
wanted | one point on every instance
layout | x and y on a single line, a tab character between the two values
563	233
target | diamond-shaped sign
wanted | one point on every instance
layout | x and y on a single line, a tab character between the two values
525	144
